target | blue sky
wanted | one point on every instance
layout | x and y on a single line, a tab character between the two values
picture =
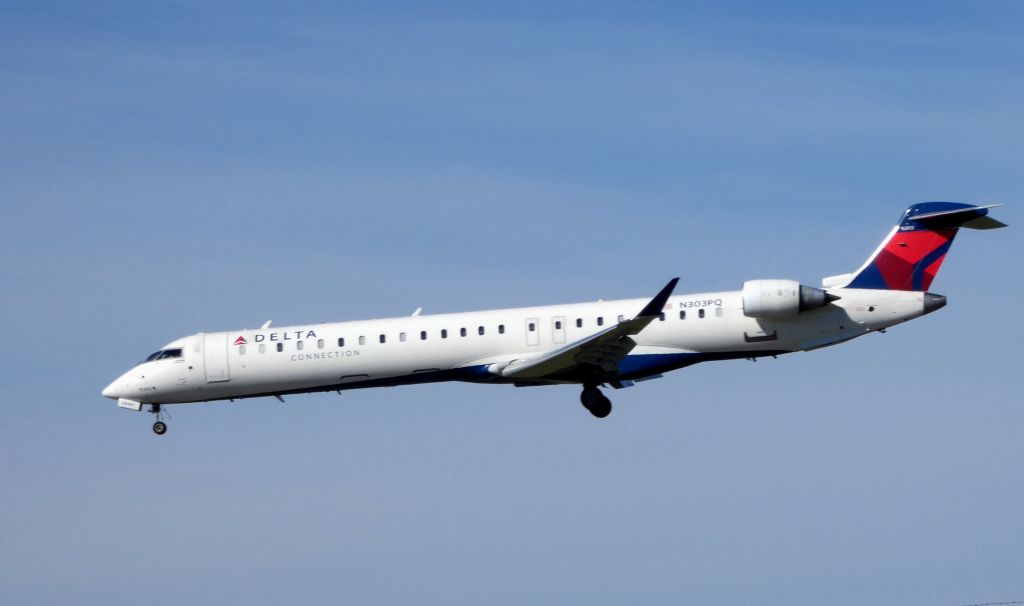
171	168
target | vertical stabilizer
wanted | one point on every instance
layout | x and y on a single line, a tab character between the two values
912	253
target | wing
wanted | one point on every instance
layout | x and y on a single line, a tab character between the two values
596	355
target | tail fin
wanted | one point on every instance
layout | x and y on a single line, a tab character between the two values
911	255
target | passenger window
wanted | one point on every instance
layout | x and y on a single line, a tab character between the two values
423	335
383	338
401	337
480	330
558	325
280	347
341	341
241	350
533	327
501	329
700	313
362	340
300	345
444	333
682	314
579	322
462	331
263	348
600	321
319	343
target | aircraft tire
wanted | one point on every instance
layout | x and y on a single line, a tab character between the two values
590	396
602	408
159	428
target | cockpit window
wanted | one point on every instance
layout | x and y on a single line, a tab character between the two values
164	354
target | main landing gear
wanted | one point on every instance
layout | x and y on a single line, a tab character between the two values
595	402
159	428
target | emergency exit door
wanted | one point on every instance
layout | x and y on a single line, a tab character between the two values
558	330
532	331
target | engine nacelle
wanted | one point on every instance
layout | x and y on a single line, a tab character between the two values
780	299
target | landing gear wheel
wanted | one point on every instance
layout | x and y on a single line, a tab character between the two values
602	409
595	402
159	428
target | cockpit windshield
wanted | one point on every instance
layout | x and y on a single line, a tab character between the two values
163	354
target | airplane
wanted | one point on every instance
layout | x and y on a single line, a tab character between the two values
595	345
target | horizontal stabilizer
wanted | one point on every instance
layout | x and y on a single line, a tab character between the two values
983	223
973	217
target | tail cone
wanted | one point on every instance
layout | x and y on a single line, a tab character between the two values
933	302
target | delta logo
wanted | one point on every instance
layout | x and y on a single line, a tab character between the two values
294	335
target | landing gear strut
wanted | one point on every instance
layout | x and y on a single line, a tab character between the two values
159	428
595	402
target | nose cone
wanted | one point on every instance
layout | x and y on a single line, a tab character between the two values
110	391
118	388
933	302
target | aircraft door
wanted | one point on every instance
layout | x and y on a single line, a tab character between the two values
532	331
215	357
558	329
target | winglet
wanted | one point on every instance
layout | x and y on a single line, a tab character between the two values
657	304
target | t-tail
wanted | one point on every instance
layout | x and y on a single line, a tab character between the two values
912	253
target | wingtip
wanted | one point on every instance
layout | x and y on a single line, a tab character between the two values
655	306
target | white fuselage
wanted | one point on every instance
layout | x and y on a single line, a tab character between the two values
473	346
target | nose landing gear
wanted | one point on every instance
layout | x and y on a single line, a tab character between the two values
159	428
596	402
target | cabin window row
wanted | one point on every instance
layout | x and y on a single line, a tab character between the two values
383	338
262	347
463	332
402	337
701	313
